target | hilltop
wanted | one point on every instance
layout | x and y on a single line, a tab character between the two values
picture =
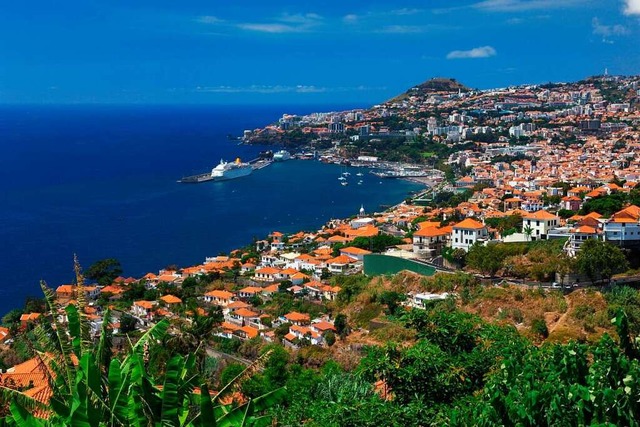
432	86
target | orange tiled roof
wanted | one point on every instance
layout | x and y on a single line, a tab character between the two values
238	304
268	270
342	259
171	299
27	317
469	223
294	316
250	290
324	326
250	331
64	289
542	214
144	304
243	312
355	251
431	232
220	294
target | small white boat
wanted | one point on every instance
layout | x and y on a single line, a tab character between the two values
359	174
344	183
342	178
360	182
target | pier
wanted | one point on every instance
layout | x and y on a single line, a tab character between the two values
256	164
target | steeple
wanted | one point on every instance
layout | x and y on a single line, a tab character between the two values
361	210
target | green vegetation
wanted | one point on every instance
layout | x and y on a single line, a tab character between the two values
104	271
462	371
103	389
609	204
600	260
377	243
505	225
538	260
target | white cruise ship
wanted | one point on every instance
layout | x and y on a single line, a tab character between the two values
232	170
280	156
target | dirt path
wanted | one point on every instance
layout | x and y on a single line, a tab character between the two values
563	318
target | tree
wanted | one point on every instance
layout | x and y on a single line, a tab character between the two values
330	338
564	385
231	371
191	337
600	260
377	243
392	300
12	318
104	271
340	323
284	285
528	232
605	205
282	330
33	304
565	213
127	323
486	259
565	265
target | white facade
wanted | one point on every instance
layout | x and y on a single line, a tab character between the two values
539	226
621	232
466	234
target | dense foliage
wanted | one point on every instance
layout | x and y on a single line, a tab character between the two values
600	260
92	387
464	371
609	204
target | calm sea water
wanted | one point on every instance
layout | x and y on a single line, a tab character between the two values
101	182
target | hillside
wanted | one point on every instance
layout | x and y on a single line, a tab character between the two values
579	315
431	86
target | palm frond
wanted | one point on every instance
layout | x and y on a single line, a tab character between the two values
156	333
105	344
59	335
85	330
28	403
236	382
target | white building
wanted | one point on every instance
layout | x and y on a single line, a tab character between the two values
467	233
623	227
540	223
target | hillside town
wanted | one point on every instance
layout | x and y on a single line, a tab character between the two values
521	165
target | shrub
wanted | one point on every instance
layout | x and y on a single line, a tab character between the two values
366	314
582	311
539	327
517	315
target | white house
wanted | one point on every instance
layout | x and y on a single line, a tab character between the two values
430	238
419	300
218	297
579	235
354	252
466	233
540	223
623	227
143	309
267	274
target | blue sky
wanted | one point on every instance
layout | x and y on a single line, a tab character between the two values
193	51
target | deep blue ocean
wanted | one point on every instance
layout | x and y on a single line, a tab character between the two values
100	181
